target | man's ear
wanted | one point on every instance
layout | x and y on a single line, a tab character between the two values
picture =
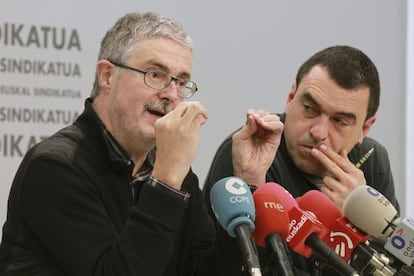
291	94
366	127
104	73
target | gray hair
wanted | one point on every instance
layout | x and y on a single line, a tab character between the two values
121	39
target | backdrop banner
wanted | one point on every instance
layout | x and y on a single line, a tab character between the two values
42	88
246	55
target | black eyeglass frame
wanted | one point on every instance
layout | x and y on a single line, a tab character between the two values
191	90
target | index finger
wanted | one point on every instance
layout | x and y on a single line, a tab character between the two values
194	113
267	120
331	160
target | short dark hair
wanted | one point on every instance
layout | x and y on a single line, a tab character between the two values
350	68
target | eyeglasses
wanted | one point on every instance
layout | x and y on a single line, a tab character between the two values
157	79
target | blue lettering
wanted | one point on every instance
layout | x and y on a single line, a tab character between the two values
372	191
239	199
398	242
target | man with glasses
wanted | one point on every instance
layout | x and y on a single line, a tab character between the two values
158	79
114	193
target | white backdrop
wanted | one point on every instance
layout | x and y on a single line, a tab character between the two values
246	56
409	179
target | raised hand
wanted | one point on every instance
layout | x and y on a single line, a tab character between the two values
255	146
177	138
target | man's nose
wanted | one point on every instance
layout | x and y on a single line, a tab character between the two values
320	129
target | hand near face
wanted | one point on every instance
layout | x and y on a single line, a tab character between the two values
255	146
342	176
177	138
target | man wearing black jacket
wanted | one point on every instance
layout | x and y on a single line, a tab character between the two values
330	109
114	193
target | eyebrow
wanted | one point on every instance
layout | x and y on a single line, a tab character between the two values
181	75
308	97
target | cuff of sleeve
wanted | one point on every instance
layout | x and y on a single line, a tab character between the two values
155	182
253	188
162	202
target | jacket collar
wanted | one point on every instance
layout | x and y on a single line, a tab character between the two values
89	121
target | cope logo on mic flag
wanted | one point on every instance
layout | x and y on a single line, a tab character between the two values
238	188
232	203
401	242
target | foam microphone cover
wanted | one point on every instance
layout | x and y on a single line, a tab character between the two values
272	227
271	215
321	205
232	204
371	212
343	236
282	194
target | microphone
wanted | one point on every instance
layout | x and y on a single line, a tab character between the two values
380	219
348	241
285	197
371	212
272	225
343	236
306	235
401	242
233	206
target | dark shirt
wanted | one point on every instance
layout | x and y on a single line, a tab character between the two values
283	171
71	211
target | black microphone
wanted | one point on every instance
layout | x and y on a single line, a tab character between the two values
233	206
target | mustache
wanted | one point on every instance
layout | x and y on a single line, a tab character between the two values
166	107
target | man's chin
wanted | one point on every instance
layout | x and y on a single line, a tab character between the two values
147	134
311	168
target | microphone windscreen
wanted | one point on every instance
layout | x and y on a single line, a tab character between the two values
271	216
371	212
282	194
321	205
401	242
343	236
232	204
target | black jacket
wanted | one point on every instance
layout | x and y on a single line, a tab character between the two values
71	212
283	171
